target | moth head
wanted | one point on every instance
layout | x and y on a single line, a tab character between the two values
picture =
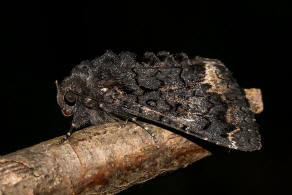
66	99
70	97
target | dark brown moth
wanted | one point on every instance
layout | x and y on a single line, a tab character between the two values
197	96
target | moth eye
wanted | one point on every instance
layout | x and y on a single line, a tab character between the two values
70	98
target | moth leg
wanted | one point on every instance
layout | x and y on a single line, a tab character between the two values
134	120
125	123
68	135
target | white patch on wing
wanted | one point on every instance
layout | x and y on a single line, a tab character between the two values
213	79
229	137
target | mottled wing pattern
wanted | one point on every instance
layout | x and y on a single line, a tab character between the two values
200	98
197	96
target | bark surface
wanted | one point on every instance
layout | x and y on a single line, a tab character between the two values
99	160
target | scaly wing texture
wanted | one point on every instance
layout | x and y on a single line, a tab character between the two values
199	97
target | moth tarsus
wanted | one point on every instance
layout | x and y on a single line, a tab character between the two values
67	135
197	96
149	131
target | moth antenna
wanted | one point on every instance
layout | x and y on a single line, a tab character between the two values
57	85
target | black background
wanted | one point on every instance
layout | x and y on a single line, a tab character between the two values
42	41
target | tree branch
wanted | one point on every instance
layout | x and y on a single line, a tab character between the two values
101	160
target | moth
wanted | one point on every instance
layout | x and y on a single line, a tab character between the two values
197	96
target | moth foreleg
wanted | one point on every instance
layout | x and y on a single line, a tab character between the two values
68	134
